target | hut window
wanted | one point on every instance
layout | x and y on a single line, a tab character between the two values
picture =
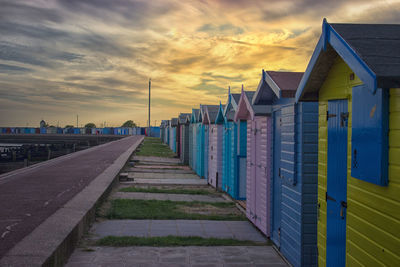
369	138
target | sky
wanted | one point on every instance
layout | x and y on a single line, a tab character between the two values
93	58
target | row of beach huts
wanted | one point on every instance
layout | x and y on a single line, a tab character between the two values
154	131
315	155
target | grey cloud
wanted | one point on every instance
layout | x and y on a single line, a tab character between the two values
16	10
4	68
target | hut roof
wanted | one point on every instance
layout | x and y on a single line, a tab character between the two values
370	50
276	84
183	118
174	122
212	112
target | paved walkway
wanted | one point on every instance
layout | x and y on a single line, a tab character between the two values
172	197
156	160
161	170
178	256
242	230
173	256
167	181
30	195
162	175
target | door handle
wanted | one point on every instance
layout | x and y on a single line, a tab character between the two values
343	205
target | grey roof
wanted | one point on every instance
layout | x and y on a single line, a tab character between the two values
196	112
174	122
183	117
213	112
378	46
236	97
258	109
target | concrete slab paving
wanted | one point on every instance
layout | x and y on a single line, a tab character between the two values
156	159
172	197
162	175
166	167
242	230
192	256
186	181
161	170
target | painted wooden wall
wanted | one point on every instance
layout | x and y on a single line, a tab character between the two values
373	213
259	158
205	151
199	150
230	183
215	155
185	144
299	157
190	149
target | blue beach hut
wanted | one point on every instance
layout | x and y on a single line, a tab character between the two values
200	143
292	167
233	177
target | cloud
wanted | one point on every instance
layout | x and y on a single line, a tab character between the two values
62	57
224	29
4	68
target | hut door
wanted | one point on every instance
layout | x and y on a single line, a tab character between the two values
336	195
276	186
259	175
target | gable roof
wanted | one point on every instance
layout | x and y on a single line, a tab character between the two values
195	114
212	112
183	118
246	108
370	50
276	84
174	122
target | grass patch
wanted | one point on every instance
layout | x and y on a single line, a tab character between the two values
125	241
168	210
167	191
152	146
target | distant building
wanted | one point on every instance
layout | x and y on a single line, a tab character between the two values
42	124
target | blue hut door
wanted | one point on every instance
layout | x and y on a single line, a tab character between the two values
336	195
277	185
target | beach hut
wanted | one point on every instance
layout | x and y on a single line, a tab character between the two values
354	74
202	143
193	139
172	134
258	128
184	122
233	165
215	120
293	167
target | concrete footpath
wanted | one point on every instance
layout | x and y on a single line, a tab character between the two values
90	254
45	208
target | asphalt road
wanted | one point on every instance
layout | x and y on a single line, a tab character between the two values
29	196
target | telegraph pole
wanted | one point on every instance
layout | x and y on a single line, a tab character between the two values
149	104
77	125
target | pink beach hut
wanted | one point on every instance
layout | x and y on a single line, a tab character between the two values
258	178
216	129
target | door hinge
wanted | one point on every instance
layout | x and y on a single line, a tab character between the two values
329	115
328	197
344	116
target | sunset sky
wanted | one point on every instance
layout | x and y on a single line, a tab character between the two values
94	58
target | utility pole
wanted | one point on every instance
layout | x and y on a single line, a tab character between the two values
77	124
149	104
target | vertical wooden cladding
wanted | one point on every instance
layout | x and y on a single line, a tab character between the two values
215	155
190	148
184	145
258	179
